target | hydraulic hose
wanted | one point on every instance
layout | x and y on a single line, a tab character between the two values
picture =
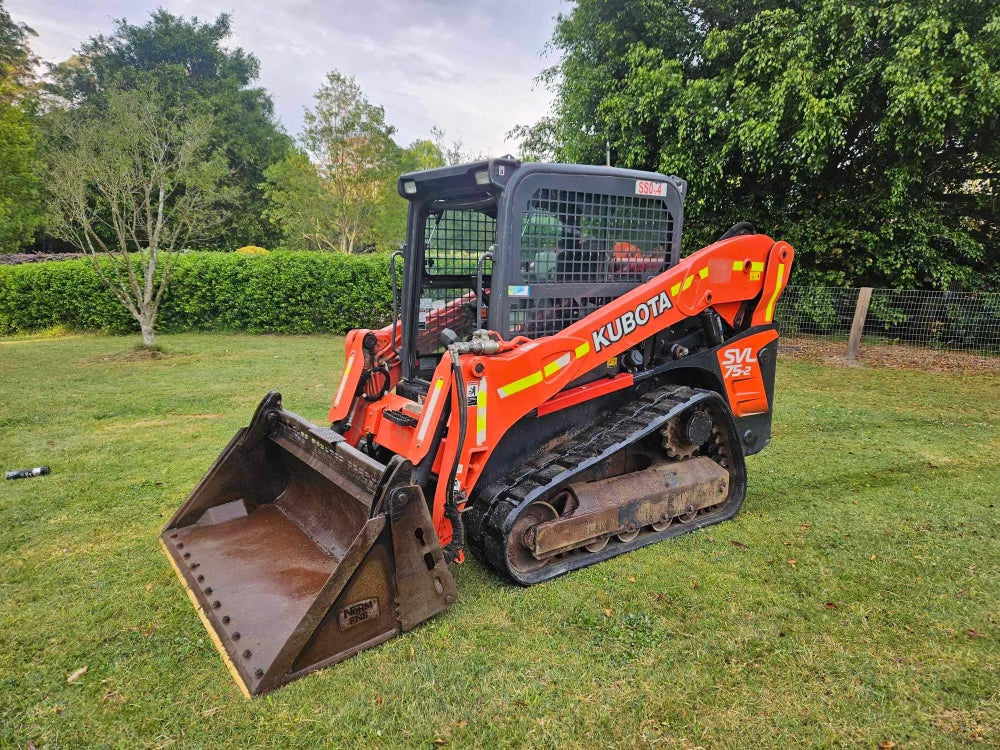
454	547
737	229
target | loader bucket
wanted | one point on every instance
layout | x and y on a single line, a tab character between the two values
299	551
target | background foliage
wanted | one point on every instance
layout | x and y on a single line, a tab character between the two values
864	133
186	63
21	211
280	292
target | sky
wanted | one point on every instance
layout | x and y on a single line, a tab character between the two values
465	66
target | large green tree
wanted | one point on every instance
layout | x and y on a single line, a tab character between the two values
185	62
20	184
865	133
340	193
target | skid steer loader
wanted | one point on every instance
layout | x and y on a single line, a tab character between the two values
557	387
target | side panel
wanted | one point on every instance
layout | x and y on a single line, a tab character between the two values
741	373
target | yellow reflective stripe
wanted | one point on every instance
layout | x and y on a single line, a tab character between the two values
431	402
537	377
769	312
703	273
737	265
519	385
757	266
556	365
675	290
481	412
687	282
343	380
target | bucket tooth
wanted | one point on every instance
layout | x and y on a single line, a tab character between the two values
299	551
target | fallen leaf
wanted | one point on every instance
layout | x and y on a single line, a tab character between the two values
607	611
830	605
413	654
963	592
439	741
631	579
76	675
149	587
886	745
792	561
974	633
211	711
872	558
741	545
461	723
379	699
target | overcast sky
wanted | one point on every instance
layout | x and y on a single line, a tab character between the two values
467	66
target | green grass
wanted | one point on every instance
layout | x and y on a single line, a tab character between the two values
881	486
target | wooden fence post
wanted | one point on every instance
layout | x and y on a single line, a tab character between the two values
860	313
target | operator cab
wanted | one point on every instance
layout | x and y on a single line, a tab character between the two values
524	249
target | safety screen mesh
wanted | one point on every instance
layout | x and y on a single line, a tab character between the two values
454	240
601	243
547	316
569	236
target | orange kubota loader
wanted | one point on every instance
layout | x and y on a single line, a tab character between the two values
559	388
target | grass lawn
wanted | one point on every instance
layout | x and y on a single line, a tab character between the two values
855	600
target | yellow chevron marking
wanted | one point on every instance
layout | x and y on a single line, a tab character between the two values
769	311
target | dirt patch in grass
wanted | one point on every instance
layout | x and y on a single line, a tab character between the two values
969	726
137	355
890	356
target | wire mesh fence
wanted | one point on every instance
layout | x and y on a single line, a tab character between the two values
957	321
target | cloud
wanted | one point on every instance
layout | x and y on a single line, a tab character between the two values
466	66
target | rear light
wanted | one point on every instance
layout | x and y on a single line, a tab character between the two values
410	187
483	177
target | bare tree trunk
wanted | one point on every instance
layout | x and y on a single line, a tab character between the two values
146	326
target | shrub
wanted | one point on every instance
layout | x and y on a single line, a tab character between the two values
252	250
279	292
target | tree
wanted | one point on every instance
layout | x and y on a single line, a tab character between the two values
131	186
301	205
184	61
331	197
20	185
389	227
865	133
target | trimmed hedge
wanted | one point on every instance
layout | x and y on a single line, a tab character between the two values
281	292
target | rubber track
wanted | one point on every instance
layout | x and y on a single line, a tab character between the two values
495	504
